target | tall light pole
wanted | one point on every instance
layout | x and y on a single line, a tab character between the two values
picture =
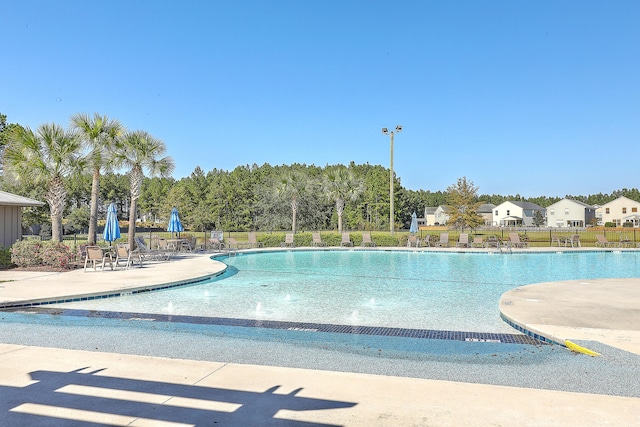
391	134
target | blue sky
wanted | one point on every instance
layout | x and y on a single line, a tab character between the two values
534	98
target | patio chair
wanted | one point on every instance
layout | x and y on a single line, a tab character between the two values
80	256
150	254
98	257
165	247
288	241
478	242
188	244
463	241
233	243
123	254
316	240
346	240
412	241
575	241
444	240
366	240
492	242
515	242
216	244
253	241
555	239
602	241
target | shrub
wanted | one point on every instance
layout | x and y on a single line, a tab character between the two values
331	238
271	240
388	240
56	254
31	253
26	253
5	257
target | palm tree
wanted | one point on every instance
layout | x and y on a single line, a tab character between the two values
340	185
99	133
45	157
136	152
292	186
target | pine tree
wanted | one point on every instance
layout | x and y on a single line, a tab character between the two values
463	205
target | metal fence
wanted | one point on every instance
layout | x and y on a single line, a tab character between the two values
539	237
549	236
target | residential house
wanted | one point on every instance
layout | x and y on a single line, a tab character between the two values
619	212
429	216
11	217
440	215
515	214
485	210
570	213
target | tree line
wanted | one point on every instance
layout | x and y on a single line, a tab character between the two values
80	169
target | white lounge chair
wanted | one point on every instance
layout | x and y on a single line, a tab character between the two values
444	240
316	240
253	241
602	241
514	241
366	240
346	240
463	240
288	241
150	254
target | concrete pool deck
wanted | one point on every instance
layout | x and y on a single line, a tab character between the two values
50	386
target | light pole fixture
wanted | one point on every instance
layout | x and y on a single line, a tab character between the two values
391	134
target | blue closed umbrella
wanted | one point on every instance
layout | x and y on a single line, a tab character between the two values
112	227
175	226
414	223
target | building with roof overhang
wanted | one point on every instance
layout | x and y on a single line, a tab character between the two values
11	216
515	214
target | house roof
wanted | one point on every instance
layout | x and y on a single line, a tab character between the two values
586	205
486	208
527	205
430	210
566	199
8	199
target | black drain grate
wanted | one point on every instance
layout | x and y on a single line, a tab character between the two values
294	326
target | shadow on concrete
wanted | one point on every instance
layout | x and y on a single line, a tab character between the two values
52	400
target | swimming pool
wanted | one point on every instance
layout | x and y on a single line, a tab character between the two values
400	289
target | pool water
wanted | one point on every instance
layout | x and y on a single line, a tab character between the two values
421	290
